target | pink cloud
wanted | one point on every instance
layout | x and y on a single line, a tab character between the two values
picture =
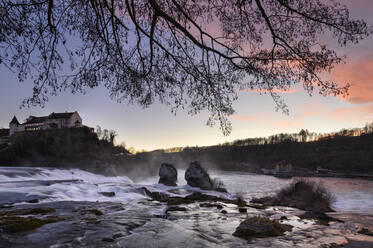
358	113
360	75
288	124
311	113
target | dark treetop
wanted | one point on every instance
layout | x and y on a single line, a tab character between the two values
185	53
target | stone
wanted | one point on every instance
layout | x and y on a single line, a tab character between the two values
28	211
167	175
178	201
110	240
176	208
91	211
321	218
242	210
157	196
16	224
108	194
260	227
210	205
365	231
196	176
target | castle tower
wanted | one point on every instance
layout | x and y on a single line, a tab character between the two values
13	126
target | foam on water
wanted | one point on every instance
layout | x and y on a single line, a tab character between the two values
14	174
50	184
20	184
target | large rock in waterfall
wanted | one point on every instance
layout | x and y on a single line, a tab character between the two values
260	227
167	174
196	176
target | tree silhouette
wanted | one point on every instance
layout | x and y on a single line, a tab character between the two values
112	135
304	133
184	53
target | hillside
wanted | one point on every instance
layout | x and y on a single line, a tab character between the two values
73	147
337	153
81	148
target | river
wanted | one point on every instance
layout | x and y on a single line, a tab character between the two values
87	218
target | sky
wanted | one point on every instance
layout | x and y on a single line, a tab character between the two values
156	127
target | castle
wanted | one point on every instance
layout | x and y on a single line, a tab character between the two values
52	121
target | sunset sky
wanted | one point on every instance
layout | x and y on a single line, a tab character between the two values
156	127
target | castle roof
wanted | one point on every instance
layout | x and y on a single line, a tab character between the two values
34	119
65	115
14	121
41	119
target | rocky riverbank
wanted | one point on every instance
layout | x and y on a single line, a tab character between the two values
151	223
158	215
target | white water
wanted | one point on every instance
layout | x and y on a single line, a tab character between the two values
351	195
19	184
51	184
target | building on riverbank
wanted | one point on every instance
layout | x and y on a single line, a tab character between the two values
52	121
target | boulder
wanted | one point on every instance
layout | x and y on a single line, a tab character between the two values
196	176
321	218
167	174
108	194
155	195
260	227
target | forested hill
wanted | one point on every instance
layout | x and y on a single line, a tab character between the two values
69	147
347	150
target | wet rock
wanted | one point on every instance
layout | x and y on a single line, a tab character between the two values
242	210
241	202
198	196
16	224
196	176
167	174
96	212
320	217
210	205
178	201
260	227
28	211
110	240
92	221
224	212
176	208
366	231
117	235
108	194
33	201
266	201
155	195
91	211
257	206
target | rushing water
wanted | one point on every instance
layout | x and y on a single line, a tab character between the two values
21	184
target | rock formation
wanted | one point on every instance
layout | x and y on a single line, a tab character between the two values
167	174
196	176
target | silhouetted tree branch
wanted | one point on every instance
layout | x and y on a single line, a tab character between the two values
183	53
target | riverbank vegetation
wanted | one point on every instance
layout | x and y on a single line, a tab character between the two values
61	147
348	150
